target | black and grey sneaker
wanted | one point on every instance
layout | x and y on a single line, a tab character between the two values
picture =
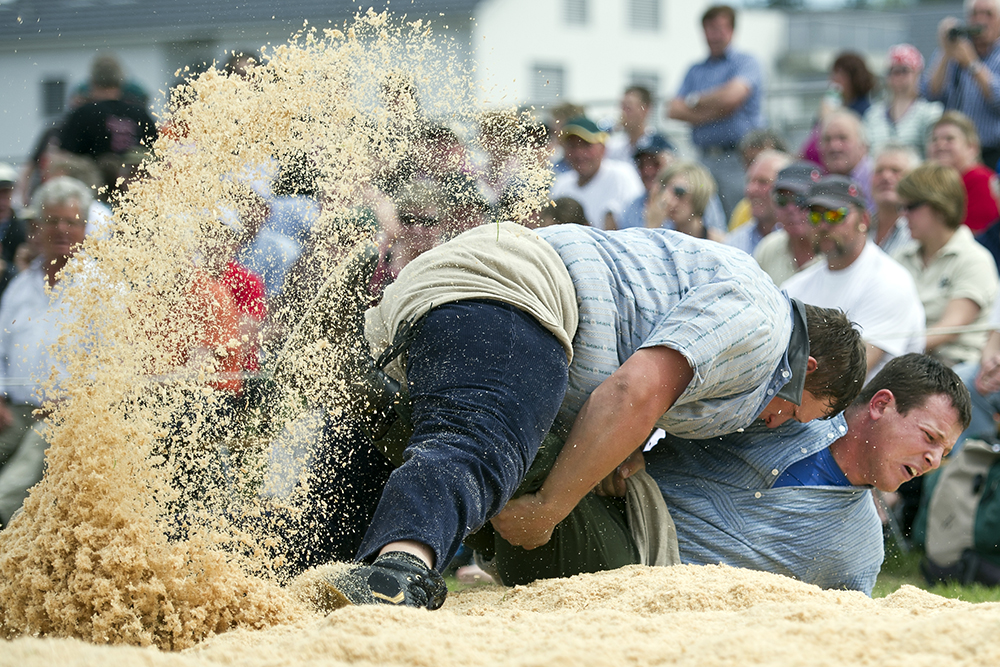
396	578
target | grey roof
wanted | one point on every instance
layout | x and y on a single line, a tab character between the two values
29	20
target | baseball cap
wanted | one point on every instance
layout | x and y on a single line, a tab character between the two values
586	129
652	144
798	177
835	191
8	175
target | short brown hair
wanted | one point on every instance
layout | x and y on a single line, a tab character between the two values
841	358
940	186
719	10
913	378
962	122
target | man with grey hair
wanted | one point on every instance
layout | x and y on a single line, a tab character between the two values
889	229
106	124
844	150
760	179
31	322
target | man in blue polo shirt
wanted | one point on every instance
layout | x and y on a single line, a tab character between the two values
721	99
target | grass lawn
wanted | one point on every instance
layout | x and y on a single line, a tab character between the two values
900	568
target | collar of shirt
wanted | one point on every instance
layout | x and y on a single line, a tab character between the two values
796	357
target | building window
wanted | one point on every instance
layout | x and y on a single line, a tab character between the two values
648	80
644	14
576	12
547	83
53	97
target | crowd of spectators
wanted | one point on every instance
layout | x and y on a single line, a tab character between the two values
855	219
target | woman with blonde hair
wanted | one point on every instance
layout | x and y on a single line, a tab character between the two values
956	277
679	197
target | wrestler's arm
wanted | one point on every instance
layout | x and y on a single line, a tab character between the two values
613	423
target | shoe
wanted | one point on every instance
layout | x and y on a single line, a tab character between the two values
395	578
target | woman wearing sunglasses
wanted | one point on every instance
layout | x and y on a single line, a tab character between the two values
956	277
903	117
679	198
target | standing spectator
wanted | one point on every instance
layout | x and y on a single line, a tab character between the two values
636	133
966	71
955	143
107	124
12	229
889	229
760	179
32	322
851	83
903	117
843	149
788	250
721	99
603	187
873	289
955	276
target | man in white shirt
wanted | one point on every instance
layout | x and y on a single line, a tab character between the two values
603	187
31	322
874	290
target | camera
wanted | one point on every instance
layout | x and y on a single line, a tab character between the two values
968	31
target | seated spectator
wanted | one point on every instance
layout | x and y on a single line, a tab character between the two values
889	229
983	382
851	84
794	501
760	178
786	251
561	114
650	160
32	322
904	118
106	124
956	277
679	199
856	276
603	187
13	231
751	145
563	211
844	150
954	142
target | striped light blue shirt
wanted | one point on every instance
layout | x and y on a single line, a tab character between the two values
721	497
968	98
639	288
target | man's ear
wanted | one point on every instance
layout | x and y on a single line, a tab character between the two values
811	365
880	402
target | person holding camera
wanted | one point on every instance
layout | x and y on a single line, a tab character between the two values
966	71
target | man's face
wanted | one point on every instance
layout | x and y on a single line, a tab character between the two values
633	111
890	168
585	158
760	178
794	219
779	410
718	34
839	239
841	147
62	230
984	13
907	446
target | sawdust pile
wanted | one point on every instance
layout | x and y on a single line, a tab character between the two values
685	615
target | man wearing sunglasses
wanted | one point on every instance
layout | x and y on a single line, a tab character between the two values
787	251
858	277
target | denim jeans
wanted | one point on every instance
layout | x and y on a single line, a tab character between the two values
485	382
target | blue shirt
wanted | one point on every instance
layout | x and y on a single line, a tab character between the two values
966	96
715	72
639	288
727	509
634	215
819	469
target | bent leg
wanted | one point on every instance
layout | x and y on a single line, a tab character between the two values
485	381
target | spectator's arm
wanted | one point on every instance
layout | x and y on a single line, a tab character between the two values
958	313
988	378
713	104
613	423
